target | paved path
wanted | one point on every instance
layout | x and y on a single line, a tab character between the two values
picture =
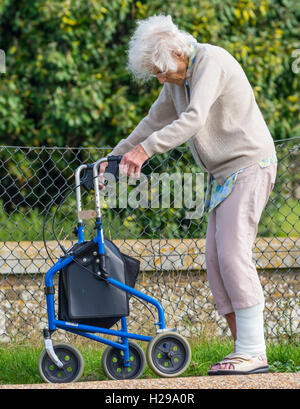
262	381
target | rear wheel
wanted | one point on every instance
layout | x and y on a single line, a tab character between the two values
168	354
113	362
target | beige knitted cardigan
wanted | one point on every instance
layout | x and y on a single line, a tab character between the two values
221	120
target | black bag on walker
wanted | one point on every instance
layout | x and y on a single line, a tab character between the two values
87	299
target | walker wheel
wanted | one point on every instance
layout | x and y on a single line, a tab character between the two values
70	372
113	362
168	354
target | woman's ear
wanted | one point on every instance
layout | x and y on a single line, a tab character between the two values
178	54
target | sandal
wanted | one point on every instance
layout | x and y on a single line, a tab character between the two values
244	364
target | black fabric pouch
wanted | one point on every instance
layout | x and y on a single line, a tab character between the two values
85	298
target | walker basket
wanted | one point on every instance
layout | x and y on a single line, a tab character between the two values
85	298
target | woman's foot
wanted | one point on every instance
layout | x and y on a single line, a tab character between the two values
238	363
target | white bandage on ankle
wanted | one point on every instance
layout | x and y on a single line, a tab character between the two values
250	330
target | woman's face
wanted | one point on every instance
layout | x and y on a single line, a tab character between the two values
177	77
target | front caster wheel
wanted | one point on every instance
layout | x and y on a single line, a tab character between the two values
168	354
113	362
70	372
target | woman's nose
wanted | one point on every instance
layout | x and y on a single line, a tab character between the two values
161	79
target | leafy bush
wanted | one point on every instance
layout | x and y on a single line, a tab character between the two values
66	81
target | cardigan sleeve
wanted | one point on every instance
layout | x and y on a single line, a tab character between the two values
161	113
207	84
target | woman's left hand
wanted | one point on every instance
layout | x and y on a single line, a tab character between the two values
132	162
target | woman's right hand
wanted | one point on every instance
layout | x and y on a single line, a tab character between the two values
102	168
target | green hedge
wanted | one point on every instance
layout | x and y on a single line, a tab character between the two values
66	81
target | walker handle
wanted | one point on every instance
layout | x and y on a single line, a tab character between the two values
112	167
89	180
113	158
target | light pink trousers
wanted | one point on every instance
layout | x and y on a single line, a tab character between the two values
231	231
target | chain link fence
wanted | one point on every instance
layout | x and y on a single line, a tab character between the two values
170	245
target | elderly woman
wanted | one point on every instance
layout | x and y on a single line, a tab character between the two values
207	101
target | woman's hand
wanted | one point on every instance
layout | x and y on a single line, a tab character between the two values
132	162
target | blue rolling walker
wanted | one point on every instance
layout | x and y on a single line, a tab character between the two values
168	353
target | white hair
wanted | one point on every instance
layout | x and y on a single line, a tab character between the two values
152	45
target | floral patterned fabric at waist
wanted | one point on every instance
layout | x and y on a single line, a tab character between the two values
216	193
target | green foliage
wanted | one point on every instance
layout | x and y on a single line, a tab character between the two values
288	366
66	82
18	362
